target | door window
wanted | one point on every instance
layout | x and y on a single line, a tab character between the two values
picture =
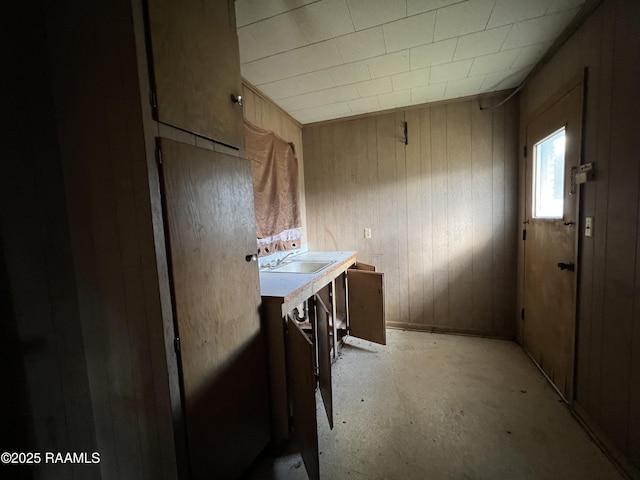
548	176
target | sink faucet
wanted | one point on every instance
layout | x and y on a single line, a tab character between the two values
281	260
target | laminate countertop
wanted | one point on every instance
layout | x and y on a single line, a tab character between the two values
293	288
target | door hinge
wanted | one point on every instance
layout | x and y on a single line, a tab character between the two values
522	314
524	151
524	234
176	344
159	156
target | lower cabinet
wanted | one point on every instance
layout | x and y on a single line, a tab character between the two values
303	345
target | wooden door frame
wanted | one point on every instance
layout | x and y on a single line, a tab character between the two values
577	81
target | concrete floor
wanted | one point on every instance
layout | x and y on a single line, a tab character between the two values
431	406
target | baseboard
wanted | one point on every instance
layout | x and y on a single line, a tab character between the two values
420	327
601	439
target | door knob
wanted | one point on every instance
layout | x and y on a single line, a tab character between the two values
252	257
237	99
567	266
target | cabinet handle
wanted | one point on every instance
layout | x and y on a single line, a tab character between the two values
237	99
252	257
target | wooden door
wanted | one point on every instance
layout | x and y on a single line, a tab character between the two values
196	67
365	292
300	365
209	220
551	236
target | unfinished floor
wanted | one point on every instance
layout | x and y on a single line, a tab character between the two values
429	406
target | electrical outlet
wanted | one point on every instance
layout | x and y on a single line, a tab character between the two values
367	233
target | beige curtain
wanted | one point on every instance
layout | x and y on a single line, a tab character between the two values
275	186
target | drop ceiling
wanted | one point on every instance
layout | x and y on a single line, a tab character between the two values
326	59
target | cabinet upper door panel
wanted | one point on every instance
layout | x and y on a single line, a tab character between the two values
196	67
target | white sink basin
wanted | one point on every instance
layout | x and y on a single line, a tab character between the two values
300	266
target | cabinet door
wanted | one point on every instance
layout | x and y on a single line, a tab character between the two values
209	219
300	355
196	67
322	316
365	289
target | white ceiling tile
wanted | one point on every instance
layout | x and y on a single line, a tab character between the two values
502	80
409	32
450	71
512	11
277	34
290	87
395	99
414	78
481	43
364	104
323	97
419	6
295	62
464	86
249	49
360	45
349	73
494	62
432	54
429	93
318	114
322	59
369	13
250	11
537	30
306	116
560	5
462	18
324	19
374	87
389	64
531	54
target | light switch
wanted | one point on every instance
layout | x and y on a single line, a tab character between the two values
367	233
588	226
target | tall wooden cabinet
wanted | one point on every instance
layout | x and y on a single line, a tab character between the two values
209	220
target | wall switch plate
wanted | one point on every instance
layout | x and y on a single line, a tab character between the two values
588	226
367	233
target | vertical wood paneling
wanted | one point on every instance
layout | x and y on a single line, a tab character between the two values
388	135
426	220
498	212
102	144
482	192
402	218
511	211
459	213
431	207
608	350
415	254
440	246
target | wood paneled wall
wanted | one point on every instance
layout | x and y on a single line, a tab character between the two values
108	178
442	209
608	321
264	114
45	397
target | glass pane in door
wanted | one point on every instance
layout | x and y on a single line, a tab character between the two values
548	176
